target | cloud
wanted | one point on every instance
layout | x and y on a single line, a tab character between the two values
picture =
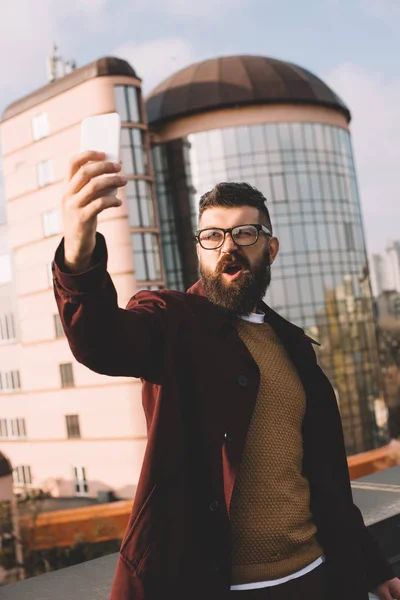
214	10
27	32
210	8
375	106
381	9
155	61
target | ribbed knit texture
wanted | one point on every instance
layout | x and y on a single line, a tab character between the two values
272	527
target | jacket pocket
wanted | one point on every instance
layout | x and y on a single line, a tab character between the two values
142	532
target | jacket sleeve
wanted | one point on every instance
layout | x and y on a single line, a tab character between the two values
327	433
102	336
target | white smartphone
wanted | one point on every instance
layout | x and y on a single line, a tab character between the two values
102	133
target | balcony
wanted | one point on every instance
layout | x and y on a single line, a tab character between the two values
377	495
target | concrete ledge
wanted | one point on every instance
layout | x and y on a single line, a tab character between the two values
87	581
377	495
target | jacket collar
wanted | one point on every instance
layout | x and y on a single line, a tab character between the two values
216	318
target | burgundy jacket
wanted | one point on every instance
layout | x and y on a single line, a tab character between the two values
200	386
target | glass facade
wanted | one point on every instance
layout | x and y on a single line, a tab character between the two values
140	203
169	235
133	151
320	279
139	191
127	103
147	258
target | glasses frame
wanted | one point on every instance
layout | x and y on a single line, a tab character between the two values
229	230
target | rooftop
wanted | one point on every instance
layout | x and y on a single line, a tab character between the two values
377	496
232	81
99	68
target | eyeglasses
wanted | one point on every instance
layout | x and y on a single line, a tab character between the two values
242	235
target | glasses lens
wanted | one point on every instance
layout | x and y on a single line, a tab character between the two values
245	235
211	238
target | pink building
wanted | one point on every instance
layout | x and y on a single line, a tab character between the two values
63	427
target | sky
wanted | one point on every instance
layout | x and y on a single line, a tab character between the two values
353	45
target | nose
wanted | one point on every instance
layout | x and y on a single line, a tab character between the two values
229	245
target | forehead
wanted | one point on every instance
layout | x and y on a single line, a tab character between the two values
221	216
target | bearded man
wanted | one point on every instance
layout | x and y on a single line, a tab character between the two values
244	492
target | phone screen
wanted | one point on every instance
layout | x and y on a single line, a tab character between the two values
102	133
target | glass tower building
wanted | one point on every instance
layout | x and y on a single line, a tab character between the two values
280	128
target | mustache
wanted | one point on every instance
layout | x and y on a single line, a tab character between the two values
229	260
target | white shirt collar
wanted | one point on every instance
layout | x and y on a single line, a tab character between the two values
253	317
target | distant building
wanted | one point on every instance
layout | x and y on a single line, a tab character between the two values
388	304
385	269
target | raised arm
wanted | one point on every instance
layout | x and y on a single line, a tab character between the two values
102	336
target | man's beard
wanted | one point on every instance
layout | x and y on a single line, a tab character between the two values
241	296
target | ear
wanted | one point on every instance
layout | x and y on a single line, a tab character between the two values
198	250
273	248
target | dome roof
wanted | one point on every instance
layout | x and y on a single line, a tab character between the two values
231	81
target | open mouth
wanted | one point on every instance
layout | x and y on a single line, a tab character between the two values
233	271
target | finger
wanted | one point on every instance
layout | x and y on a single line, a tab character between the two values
98	205
90	170
96	188
81	159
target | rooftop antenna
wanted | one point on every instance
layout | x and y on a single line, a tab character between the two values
57	67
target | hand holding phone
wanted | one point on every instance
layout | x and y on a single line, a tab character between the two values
91	185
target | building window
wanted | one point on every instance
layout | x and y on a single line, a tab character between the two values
44	173
5	269
12	428
146	256
18	429
22	475
51	222
278	187
40	126
58	326
169	235
349	236
67	375
140	204
49	268
4	428
133	153
127	103
81	484
73	429
152	288
7	327
10	381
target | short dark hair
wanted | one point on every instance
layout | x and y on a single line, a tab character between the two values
231	194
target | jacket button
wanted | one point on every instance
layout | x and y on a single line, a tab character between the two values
242	380
214	566
214	505
228	438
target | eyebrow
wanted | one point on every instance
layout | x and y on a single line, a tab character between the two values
233	226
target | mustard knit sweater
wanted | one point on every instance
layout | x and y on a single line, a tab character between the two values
272	528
